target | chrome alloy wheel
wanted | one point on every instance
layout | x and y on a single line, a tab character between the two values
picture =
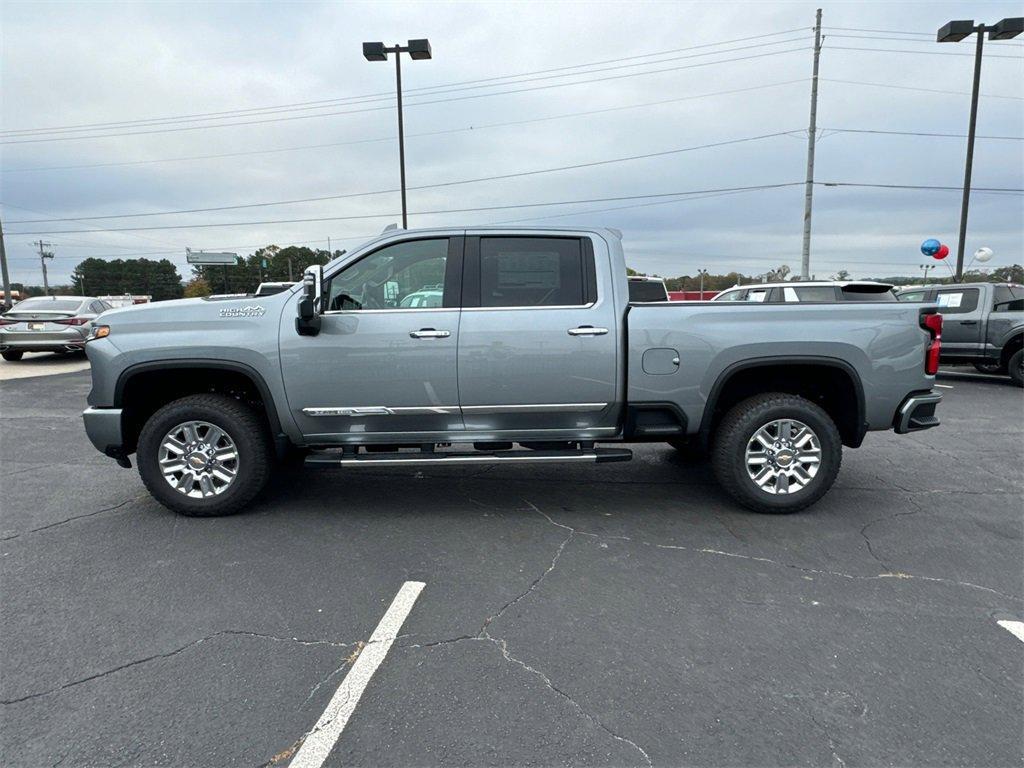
198	459
783	456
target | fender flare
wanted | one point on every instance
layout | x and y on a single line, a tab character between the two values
762	362
248	371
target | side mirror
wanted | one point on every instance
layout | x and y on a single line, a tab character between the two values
311	304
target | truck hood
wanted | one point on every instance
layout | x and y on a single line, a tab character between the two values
186	310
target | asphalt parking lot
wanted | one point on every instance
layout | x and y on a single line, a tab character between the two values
602	615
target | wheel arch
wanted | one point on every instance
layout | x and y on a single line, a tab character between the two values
1013	342
827	381
144	387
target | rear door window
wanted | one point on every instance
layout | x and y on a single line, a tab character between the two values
958	301
757	295
532	272
813	293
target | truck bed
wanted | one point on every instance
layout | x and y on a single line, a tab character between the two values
880	346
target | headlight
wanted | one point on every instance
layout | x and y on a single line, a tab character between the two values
98	332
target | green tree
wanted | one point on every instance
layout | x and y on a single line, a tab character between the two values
100	277
196	288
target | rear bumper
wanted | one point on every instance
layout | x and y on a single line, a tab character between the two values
26	342
103	426
917	412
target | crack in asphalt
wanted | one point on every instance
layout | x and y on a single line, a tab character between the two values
502	645
71	519
167	655
837	761
890	574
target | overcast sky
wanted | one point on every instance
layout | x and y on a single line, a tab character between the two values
73	64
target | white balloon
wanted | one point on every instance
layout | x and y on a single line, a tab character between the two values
983	254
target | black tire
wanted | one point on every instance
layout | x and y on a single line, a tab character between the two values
990	367
737	429
11	357
689	450
1015	367
241	423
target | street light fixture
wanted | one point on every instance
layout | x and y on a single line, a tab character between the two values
954	32
417	50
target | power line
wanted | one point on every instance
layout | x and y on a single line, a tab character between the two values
930	188
922	133
518	174
424	213
411	104
924	53
906	40
943	91
389	97
470	129
325	103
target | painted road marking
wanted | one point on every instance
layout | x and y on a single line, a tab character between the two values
321	740
943	386
1015	628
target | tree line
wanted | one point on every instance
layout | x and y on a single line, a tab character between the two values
161	280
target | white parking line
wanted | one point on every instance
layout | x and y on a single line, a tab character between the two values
321	740
1015	628
943	386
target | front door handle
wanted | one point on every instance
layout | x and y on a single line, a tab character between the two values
429	333
587	330
968	322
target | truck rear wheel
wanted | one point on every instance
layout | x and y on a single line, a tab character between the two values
13	356
204	455
1016	367
776	453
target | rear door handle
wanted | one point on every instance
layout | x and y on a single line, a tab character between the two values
968	322
587	330
429	333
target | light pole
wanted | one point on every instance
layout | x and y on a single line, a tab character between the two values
926	268
954	32
417	49
702	272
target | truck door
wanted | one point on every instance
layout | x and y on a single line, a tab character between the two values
539	337
383	364
963	321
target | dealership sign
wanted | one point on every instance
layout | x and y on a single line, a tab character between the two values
210	257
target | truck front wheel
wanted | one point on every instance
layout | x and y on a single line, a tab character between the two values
204	455
776	453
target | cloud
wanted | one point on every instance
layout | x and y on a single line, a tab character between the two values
68	64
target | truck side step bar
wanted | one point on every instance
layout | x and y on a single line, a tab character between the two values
337	458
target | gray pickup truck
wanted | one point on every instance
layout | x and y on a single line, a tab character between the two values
984	324
512	345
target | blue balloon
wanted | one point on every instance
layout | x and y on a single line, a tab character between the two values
930	247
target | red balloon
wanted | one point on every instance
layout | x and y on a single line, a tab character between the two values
942	253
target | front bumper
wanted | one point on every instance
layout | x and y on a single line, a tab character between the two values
917	412
103	426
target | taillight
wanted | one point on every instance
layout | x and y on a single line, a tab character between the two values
73	321
933	324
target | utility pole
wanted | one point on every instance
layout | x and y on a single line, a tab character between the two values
805	261
702	272
43	256
3	265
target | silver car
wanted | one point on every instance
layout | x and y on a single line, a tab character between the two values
48	324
